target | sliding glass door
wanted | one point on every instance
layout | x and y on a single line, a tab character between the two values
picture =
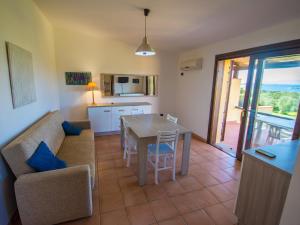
275	100
255	100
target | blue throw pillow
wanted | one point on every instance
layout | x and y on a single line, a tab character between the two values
70	130
43	159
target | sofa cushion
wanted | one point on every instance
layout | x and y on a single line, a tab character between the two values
79	150
43	159
71	130
47	129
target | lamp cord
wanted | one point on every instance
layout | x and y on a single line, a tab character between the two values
145	26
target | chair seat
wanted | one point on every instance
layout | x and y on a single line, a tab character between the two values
163	148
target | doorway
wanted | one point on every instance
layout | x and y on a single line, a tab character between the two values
255	98
234	78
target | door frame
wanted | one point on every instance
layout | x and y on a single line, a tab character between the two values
226	102
288	47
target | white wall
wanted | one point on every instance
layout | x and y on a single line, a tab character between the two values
22	23
194	88
81	52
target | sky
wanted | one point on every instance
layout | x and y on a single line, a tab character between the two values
276	76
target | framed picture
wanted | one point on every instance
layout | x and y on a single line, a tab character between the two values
21	75
78	78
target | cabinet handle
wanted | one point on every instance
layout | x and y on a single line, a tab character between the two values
135	109
106	110
121	110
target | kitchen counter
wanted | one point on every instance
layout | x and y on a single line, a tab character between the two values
115	104
264	183
286	155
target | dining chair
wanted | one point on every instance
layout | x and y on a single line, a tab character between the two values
172	118
165	149
130	145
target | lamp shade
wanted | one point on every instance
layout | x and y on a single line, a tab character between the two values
92	85
145	49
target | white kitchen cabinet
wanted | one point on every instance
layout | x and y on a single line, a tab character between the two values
100	118
136	110
106	117
147	109
117	112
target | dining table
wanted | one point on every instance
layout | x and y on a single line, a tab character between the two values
144	129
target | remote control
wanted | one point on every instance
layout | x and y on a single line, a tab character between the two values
263	152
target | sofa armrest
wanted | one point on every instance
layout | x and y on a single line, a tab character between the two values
54	196
83	124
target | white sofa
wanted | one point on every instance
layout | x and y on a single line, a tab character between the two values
51	197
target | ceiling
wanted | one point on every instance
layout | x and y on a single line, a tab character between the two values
173	25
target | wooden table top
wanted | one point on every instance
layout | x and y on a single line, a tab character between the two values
286	155
148	125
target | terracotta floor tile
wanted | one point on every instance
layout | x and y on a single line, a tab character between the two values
184	203
111	202
221	176
173	188
190	183
107	174
229	204
164	176
199	159
221	155
104	157
233	172
141	215
128	182
202	198
163	209
211	157
117	217
108	186
198	217
232	186
208	167
221	163
221	215
221	193
174	221
119	163
155	192
206	179
134	196
109	164
124	172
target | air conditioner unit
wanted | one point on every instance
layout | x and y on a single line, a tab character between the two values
192	64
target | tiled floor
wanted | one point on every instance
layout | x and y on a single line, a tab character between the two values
204	197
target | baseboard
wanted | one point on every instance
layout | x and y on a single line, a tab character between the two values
106	133
199	138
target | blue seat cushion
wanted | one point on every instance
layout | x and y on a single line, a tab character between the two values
163	148
43	159
70	130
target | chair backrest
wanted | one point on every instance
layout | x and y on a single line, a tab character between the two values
126	132
167	137
125	125
172	118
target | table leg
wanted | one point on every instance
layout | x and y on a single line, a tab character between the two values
122	134
186	153
142	160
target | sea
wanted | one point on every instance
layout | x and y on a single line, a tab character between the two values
281	87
